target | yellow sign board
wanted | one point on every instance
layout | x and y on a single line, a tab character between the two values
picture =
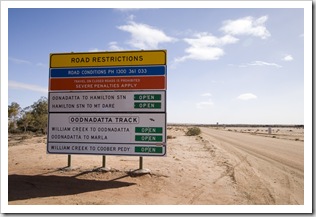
103	59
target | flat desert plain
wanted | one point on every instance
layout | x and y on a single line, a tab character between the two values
221	166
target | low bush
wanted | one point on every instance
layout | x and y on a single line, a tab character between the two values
193	131
171	137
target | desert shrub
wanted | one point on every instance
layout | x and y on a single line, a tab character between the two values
15	131
171	137
193	131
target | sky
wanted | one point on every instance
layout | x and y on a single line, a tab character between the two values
224	65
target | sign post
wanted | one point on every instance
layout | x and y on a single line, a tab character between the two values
104	168
108	103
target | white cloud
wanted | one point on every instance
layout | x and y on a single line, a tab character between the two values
131	17
94	50
288	58
205	39
204	104
113	46
19	61
247	26
41	65
206	47
247	96
202	53
145	36
260	63
19	85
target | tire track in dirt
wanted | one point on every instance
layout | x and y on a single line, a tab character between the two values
260	176
255	192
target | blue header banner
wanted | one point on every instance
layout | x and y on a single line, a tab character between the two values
107	71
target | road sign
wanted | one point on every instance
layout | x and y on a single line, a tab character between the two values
108	83
106	128
149	149
105	101
107	71
108	103
99	59
106	149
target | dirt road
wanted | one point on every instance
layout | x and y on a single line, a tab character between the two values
217	167
274	167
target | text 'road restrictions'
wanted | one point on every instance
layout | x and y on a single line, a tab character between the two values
116	58
105	101
106	149
106	128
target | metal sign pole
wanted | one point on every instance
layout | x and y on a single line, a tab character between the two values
104	168
140	163
103	161
68	167
69	161
141	170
